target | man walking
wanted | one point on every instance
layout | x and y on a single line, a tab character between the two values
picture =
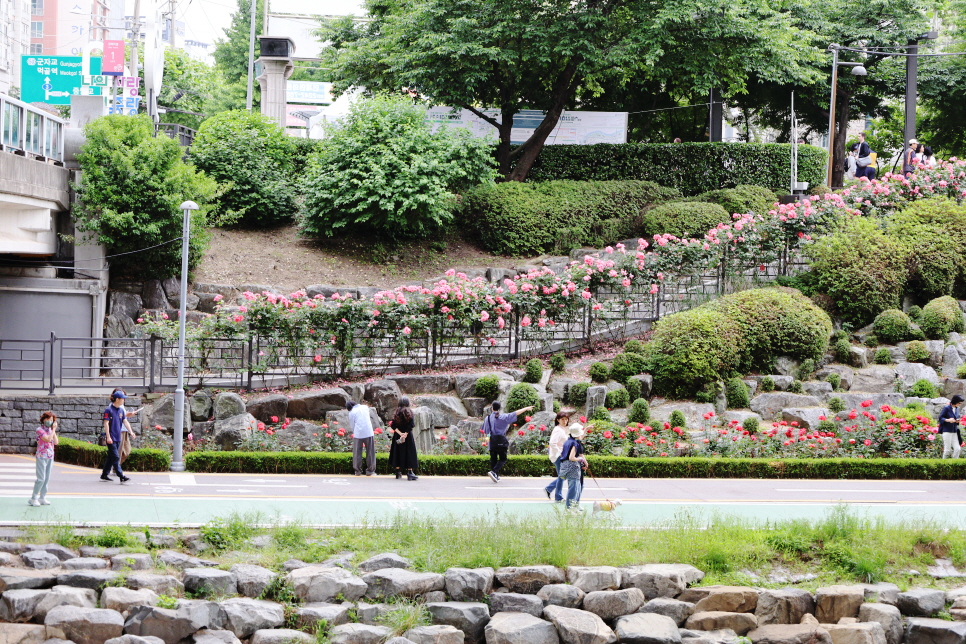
362	436
115	423
495	426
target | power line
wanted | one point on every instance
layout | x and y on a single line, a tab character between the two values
74	263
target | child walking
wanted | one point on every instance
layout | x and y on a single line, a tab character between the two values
46	440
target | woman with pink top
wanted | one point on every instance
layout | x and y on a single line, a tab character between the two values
46	440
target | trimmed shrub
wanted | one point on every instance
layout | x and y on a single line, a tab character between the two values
940	316
599	372
557	406
871	341
600	414
634	389
795	387
843	351
640	412
617	398
634	346
558	362
834	379
923	389
525	219
883	356
827	426
750	425
626	365
577	395
892	326
961	371
742	199
767	384
807	369
487	387
916	351
677	419
915	313
534	371
709	394
84	454
682	219
737	393
523	395
836	404
933	229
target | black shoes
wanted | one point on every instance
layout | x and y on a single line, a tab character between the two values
125	479
398	475
107	478
412	477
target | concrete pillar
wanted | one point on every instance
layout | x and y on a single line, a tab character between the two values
276	62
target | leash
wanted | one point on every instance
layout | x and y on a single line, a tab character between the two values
606	500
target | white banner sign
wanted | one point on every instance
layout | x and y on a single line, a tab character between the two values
573	128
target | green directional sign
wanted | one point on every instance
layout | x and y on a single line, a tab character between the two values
54	79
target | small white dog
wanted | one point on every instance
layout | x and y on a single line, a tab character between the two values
607	505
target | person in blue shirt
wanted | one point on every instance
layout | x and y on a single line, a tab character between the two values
115	419
570	465
949	427
495	426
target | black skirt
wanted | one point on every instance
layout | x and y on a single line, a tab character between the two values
402	456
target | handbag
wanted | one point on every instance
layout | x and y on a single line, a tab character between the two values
569	470
864	162
102	440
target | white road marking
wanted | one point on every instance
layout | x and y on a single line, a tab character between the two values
182	479
16	483
15	465
17	477
507	487
264	480
784	489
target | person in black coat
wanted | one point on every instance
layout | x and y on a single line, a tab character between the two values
949	427
402	451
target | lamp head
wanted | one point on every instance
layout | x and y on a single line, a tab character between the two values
859	70
189	205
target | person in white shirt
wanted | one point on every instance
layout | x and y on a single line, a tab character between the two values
362	436
558	436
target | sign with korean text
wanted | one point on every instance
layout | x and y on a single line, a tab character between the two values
308	92
54	79
573	128
127	100
112	63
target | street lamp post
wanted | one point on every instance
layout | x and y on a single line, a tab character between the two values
177	460
857	70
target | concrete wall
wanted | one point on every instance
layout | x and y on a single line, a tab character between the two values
79	417
31	193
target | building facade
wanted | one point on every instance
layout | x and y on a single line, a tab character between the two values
14	40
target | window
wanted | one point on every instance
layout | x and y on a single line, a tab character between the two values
34	140
11	124
36	29
36	7
36	49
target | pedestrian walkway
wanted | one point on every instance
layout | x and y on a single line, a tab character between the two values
17	478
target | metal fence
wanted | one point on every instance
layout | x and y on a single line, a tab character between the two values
30	131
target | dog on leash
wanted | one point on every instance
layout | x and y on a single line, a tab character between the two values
607	505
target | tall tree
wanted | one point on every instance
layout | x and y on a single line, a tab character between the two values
231	53
529	54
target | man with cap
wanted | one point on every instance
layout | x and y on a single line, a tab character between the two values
909	158
115	420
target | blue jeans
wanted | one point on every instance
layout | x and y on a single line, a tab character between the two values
573	493
556	486
113	460
44	467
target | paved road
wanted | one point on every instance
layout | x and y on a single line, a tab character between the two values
190	499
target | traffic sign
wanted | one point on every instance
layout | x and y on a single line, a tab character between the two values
54	79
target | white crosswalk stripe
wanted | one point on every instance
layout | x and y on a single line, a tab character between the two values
17	477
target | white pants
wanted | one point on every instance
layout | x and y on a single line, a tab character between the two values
950	445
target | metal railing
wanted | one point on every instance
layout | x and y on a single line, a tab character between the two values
30	131
184	134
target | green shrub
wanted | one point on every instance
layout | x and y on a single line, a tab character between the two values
766	384
836	404
134	184
113	536
526	219
742	199
922	388
883	356
382	170
795	387
843	351
634	346
708	394
827	426
861	268
601	414
250	156
640	412
750	425
682	219
557	406
940	316
932	229
961	371
599	372
915	313
558	362
617	398
523	395
577	395
487	387
227	533
807	369
75	452
916	351
534	371
692	168
737	393
626	365
871	341
677	419
892	326
835	380
634	389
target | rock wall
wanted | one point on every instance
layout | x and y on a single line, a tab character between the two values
79	417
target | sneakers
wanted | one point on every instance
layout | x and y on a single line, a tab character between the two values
125	479
548	493
33	502
44	502
107	478
494	477
370	474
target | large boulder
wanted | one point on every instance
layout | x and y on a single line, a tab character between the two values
13	578
562	595
200	405
928	630
579	626
340	420
447	410
23	634
124	599
231	431
469	584
313	404
660	580
465	384
596	396
516	628
413	384
854	633
244	616
20	605
55	549
909	373
384	560
921	602
436	634
40	560
516	603
264	408
171	625
676	609
162	413
529	579
424	426
786	606
591	578
85	563
228	404
807	417
693	412
161	584
647	628
215	636
209	581
95	579
647	383
323	584
832	603
790	634
300	434
66	596
469	617
884	592
132	561
888	617
84	625
384	396
251	580
608	604
770	405
396	582
846	374
308	615
878	379
282	636
729	599
740	623
359	634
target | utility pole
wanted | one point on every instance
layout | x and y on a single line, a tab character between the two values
252	7
135	36
173	5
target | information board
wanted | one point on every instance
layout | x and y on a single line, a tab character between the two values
300	92
54	79
573	128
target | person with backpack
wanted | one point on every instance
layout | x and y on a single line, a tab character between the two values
495	425
949	427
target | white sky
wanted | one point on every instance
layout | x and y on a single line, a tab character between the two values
205	20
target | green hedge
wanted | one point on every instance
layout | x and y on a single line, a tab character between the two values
75	452
692	168
682	219
741	199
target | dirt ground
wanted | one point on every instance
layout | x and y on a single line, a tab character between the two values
280	258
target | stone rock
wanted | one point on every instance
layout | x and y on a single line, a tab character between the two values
367	613
437	634
596	396
359	634
265	407
878	379
846	374
171	625
882	592
400	640
787	366
124	599
294	564
835	602
475	407
469	584
94	579
209	581
675	609
855	633
855	400
647	628
135	639
561	595
529	579
251	580
782	383
921	602
516	603
211	636
12	547
227	405
383	395
230	431
24	634
560	387
55	549
84	625
608	604
311	614
806	417
516	628
786	606
579	626
160	584
424	425
133	561
20	605
469	617
910	372
40	560
153	295
200	406
12	579
859	356
728	599
325	290
313	404
591	578
10	559
384	560
818	388
125	305
321	584
740	623
790	634
162	414
928	630
244	616
660	580
465	384
647	384
282	636
413	384
693	412
65	596
770	405
952	358
396	582
118	327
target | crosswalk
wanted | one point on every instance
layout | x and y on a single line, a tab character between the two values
17	479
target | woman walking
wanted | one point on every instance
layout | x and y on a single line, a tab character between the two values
46	440
571	462
402	451
558	437
949	427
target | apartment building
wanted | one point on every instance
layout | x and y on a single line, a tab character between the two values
14	40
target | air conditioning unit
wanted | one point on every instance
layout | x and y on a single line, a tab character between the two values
275	47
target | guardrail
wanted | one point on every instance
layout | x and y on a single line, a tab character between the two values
185	135
31	131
